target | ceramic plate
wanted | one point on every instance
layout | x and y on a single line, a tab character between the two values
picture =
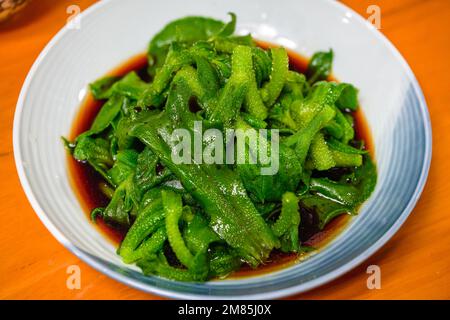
111	32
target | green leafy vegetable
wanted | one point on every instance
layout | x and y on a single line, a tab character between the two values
197	220
319	67
187	31
287	224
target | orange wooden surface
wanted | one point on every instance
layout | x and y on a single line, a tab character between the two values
414	264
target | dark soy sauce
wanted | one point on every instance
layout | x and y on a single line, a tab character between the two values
86	181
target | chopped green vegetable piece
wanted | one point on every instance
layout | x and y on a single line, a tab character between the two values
319	67
101	89
173	210
287	223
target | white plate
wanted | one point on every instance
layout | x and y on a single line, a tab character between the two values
113	31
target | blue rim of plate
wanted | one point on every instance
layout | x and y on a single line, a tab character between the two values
137	280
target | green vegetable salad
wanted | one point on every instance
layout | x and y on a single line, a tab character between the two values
196	221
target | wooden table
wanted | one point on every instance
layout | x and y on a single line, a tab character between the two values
414	264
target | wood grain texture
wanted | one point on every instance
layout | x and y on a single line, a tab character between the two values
414	264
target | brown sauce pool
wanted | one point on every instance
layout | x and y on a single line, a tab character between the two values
86	181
